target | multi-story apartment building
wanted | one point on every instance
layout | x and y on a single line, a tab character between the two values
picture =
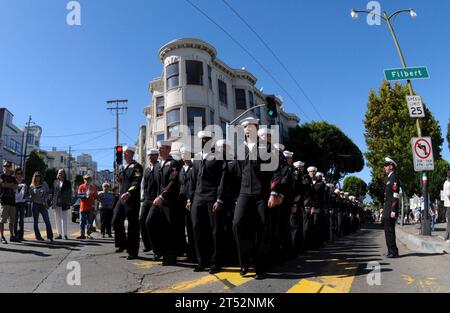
11	139
195	83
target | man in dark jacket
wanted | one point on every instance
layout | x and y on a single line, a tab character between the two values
162	219
149	193
208	216
127	207
260	191
187	188
391	206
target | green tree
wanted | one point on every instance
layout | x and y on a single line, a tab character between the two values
389	130
355	186
448	134
325	146
437	178
78	180
50	176
34	163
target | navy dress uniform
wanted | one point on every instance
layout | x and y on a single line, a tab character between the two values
187	179
208	215
149	193
251	216
391	207
297	212
162	219
130	182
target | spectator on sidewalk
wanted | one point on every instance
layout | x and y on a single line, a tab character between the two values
8	186
21	204
87	194
106	201
39	192
62	199
446	190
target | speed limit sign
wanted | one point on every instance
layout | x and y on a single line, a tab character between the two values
415	106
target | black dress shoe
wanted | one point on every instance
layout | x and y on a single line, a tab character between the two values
169	262
244	270
260	276
120	250
59	237
132	257
199	268
146	250
157	257
214	269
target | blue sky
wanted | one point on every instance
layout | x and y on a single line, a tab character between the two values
62	75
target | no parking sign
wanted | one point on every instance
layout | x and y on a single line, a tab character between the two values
422	154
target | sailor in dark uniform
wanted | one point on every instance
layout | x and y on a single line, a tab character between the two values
187	188
297	210
162	219
318	211
391	206
127	207
149	193
260	191
208	216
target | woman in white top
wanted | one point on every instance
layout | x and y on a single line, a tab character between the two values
446	190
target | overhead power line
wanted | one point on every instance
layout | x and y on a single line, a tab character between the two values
251	56
275	56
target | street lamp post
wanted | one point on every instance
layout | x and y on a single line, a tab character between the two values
426	222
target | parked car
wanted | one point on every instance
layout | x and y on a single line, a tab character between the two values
76	210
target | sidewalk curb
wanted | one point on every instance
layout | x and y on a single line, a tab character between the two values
420	244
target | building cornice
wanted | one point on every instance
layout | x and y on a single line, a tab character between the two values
184	43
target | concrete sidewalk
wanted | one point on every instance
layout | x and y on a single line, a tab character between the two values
410	236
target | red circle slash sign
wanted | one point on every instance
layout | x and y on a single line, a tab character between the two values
422	149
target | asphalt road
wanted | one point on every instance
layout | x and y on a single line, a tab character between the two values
341	266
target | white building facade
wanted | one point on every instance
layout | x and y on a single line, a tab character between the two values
195	83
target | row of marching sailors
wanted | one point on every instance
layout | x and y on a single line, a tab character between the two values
244	205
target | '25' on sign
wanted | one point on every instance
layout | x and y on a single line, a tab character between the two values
415	106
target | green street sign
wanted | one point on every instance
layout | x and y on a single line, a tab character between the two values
406	73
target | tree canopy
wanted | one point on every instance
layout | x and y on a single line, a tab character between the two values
389	130
355	186
325	146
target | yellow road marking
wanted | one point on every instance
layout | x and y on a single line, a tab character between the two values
146	264
230	275
306	286
409	279
186	285
336	277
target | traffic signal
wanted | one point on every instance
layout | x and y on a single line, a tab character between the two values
119	155
271	107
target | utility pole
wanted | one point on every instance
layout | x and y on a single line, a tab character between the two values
70	164
118	109
25	144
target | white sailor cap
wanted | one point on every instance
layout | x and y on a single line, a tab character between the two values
264	131
312	169
388	161
288	154
129	148
319	174
337	190
184	150
299	164
152	151
223	142
249	121
346	194
330	185
204	134
166	143
279	146
176	155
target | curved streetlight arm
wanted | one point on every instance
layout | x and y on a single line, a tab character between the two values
398	12
369	12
